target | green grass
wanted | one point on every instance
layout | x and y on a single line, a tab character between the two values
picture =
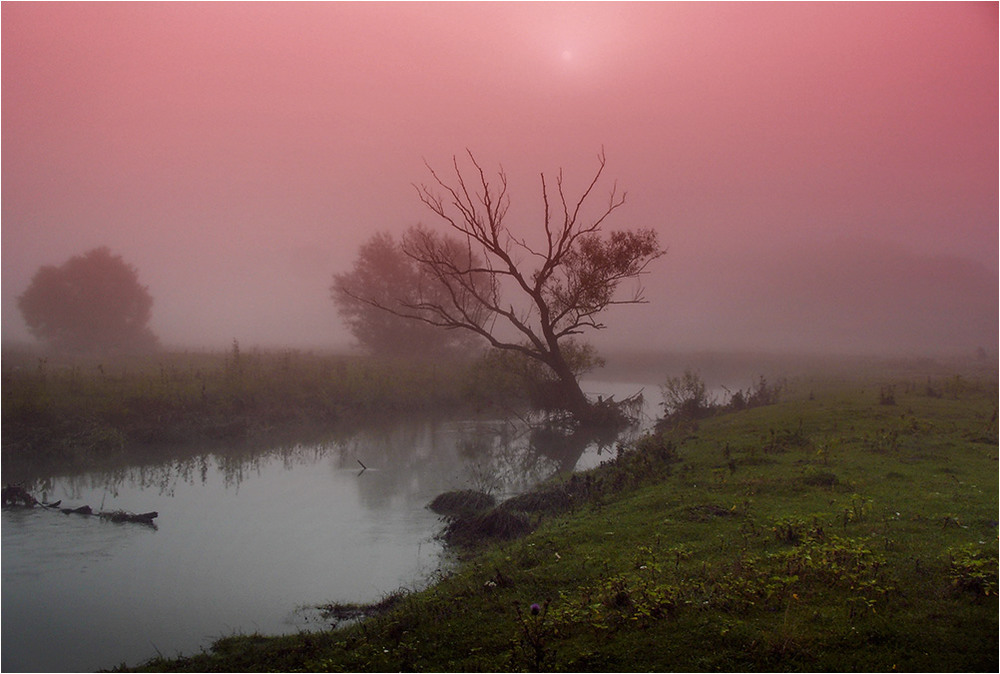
826	532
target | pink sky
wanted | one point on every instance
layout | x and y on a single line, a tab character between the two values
824	175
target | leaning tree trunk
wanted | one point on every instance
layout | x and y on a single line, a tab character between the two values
572	395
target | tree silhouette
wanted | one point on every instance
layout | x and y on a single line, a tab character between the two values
385	276
526	297
93	302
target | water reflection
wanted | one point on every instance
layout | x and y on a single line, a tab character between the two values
248	535
499	456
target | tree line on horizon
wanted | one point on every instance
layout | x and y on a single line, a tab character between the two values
429	294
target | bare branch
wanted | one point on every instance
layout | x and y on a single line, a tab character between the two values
559	291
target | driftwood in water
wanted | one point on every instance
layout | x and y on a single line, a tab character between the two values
18	496
114	515
82	510
122	516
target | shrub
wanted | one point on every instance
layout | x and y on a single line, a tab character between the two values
463	502
973	569
497	524
685	397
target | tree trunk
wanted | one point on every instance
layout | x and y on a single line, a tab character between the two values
574	397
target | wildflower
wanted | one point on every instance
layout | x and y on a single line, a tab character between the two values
490	583
535	609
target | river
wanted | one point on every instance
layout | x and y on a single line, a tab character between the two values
248	541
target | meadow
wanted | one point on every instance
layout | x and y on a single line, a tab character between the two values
850	525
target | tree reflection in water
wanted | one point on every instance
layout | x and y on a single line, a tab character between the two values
404	460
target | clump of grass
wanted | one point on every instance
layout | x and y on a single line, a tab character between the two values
547	500
339	612
499	524
760	393
463	502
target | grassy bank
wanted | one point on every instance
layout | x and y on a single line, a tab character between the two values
64	412
851	526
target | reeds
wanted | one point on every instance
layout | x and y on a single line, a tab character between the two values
75	410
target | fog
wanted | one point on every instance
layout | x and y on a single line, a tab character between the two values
824	176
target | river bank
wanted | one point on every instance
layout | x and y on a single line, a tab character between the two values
851	526
64	412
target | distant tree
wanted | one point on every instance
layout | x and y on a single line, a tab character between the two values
93	302
523	297
385	276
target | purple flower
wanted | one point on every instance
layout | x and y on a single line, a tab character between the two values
535	609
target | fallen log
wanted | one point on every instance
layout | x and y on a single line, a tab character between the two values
123	516
82	510
18	496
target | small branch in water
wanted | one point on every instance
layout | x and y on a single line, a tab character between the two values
363	466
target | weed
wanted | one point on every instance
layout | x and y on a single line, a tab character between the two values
685	398
973	568
782	440
859	509
534	632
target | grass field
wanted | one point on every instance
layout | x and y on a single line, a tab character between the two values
851	526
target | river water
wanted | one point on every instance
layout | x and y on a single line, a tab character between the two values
246	542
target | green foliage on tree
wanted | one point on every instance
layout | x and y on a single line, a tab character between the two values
92	302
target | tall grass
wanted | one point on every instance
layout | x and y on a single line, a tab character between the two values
75	410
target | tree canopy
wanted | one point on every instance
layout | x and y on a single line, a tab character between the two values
528	296
385	276
92	302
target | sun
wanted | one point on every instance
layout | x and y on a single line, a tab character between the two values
567	55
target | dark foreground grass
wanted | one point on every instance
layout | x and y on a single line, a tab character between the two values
834	531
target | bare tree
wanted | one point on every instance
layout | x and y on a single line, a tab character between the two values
529	298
